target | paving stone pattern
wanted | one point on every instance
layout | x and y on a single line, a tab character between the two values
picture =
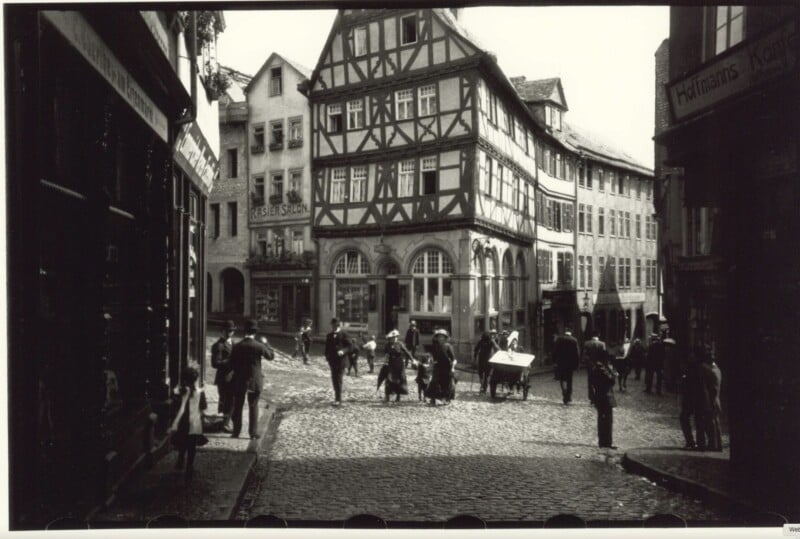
508	460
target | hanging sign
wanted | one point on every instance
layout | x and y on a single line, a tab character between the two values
733	72
195	155
80	34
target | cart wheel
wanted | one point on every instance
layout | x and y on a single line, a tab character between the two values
493	389
525	393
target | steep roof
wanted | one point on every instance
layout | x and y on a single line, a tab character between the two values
303	71
600	149
535	91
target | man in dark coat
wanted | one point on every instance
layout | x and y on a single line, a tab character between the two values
338	347
602	379
691	405
247	377
220	356
483	352
654	364
566	357
594	350
636	354
412	340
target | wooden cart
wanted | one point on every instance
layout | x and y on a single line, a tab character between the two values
512	369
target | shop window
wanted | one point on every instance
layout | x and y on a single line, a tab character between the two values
479	297
233	162
352	295
233	218
334	118
508	283
431	283
275	82
429	176
408	29
267	300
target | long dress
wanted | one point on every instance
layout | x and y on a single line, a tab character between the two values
396	356
190	422
442	385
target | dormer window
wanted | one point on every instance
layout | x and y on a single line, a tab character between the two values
552	117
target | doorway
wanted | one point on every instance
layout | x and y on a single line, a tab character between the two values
232	291
391	305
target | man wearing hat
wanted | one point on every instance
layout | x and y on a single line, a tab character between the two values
503	343
566	358
220	356
412	340
338	347
483	352
654	364
247	377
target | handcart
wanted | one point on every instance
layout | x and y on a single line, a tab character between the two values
512	369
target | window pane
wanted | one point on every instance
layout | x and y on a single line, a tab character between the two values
721	43
419	293
447	295
736	31
433	299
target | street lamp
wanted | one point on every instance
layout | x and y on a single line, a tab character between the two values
585	313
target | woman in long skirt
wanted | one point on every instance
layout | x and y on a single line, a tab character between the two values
396	356
442	384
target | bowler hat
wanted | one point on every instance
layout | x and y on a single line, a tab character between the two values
230	325
250	326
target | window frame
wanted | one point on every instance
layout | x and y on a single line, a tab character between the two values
360	29
426	276
361	180
338	186
431	107
272	125
331	115
233	163
403	19
233	218
434	168
293	122
272	79
356	118
410	175
272	183
407	100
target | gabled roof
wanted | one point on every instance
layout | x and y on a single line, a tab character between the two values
537	91
303	71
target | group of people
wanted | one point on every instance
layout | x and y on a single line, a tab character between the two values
700	382
435	379
489	343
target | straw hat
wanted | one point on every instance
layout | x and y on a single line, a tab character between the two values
393	333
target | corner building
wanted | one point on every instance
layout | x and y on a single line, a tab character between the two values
423	171
727	158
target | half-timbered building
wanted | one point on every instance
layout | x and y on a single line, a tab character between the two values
423	168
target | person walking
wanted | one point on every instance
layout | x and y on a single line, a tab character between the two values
711	381
338	346
396	357
369	346
442	384
220	358
248	379
187	427
483	352
594	350
566	357
654	364
691	405
303	341
602	379
636	353
412	340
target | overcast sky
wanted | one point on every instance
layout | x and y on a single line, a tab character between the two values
604	56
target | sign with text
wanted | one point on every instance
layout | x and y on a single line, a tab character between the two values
263	213
732	73
80	34
194	154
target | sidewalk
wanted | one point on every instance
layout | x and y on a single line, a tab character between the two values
221	470
703	475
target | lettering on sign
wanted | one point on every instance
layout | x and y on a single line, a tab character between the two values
277	210
192	149
158	30
762	59
80	34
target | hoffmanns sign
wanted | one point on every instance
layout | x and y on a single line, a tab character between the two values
732	73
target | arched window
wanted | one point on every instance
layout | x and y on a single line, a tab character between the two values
491	273
508	282
478	293
520	271
351	263
351	297
432	288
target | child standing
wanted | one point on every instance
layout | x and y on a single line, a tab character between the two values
369	346
187	428
302	341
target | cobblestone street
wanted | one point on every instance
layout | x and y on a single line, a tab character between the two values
508	460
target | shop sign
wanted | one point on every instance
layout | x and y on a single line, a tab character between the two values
732	73
193	153
158	29
81	36
278	210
